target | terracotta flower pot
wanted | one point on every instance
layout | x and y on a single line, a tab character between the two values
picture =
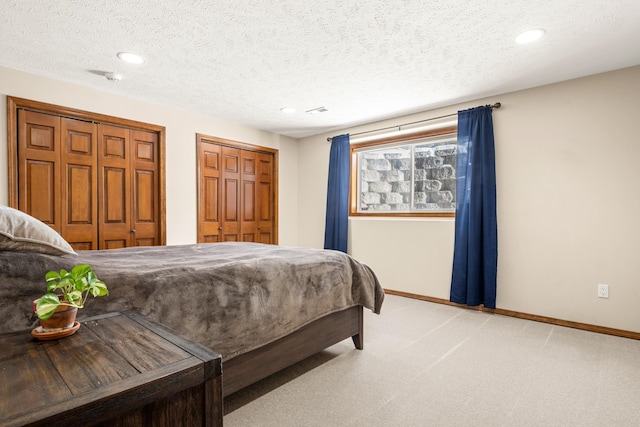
64	317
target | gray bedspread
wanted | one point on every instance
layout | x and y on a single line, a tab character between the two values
230	297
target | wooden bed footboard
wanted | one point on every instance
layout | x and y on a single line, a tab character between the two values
257	364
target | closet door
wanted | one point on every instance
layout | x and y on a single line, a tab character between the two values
114	187
145	183
79	213
249	196
230	197
265	209
95	179
236	192
38	167
209	192
257	197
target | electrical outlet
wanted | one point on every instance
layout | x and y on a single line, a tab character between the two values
603	291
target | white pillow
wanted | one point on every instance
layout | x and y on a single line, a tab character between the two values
24	233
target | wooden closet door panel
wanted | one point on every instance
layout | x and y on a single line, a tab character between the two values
79	212
74	170
114	187
249	196
145	186
237	185
39	167
265	198
209	192
230	206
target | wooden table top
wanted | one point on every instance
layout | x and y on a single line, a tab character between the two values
112	362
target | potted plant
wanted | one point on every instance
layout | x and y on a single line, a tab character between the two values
67	291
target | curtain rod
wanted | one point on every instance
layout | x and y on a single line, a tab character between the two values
496	105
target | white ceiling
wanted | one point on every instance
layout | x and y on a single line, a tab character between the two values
363	60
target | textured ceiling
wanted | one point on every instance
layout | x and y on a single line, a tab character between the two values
364	60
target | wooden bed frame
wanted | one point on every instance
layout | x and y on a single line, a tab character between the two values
248	368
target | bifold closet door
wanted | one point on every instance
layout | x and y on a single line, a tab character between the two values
209	192
257	189
145	187
249	196
39	190
128	187
236	193
219	198
114	187
57	175
230	195
265	209
79	208
96	180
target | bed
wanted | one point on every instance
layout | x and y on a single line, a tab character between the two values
262	307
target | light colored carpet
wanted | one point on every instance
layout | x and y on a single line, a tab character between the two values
427	364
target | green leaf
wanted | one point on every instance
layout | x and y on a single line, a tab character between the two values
80	270
47	305
99	289
73	296
52	275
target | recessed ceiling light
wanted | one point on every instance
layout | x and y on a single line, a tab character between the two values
530	36
131	58
288	110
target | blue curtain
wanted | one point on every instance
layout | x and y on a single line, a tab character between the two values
475	258
336	228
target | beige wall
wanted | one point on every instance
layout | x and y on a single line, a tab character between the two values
568	205
181	127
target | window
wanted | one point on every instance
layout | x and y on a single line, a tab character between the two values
406	177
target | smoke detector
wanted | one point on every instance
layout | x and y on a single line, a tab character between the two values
114	77
317	110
